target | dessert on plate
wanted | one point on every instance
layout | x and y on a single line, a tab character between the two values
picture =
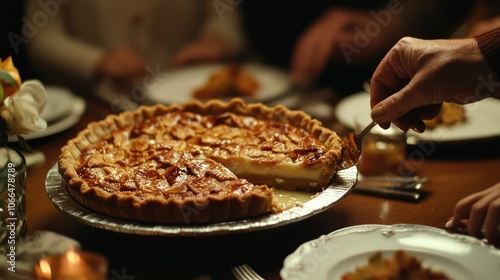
230	81
401	266
197	162
450	114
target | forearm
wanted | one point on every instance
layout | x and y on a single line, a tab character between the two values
70	56
224	23
53	48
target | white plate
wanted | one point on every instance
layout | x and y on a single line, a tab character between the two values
177	86
77	107
58	104
340	188
330	256
482	120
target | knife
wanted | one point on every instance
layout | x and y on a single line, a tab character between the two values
402	179
403	195
390	185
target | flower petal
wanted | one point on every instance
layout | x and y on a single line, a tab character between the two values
22	110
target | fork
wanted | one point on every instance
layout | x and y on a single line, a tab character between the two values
203	276
351	147
245	272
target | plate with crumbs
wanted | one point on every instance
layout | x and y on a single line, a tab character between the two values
178	86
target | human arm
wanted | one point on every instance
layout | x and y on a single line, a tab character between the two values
479	213
121	65
59	46
50	47
416	76
221	36
361	36
340	35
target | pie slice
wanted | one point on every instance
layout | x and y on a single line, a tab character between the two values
230	81
198	162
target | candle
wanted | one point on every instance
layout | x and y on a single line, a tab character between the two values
383	151
72	265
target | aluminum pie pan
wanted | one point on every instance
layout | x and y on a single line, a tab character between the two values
57	192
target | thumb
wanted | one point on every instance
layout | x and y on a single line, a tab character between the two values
398	104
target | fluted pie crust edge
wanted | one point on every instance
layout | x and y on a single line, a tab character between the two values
191	210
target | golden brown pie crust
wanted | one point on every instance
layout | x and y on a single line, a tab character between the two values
162	164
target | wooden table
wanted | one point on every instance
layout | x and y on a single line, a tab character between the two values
184	258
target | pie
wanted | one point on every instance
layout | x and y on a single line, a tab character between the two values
401	266
229	81
197	162
449	114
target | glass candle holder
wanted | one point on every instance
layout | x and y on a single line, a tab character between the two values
383	151
12	198
72	265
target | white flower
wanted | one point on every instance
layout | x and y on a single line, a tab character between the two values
22	110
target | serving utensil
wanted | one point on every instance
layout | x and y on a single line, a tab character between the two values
351	147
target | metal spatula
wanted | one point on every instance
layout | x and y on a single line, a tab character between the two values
351	147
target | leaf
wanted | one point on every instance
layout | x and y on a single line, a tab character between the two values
5	76
23	145
1	95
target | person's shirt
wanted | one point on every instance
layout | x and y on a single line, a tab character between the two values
78	33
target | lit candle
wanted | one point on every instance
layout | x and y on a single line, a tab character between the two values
73	265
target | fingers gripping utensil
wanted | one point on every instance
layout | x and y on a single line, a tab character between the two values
351	147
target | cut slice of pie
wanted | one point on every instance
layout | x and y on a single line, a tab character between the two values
197	162
230	81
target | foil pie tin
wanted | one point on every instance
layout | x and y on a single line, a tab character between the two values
57	191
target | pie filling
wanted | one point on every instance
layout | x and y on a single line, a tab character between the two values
187	160
289	176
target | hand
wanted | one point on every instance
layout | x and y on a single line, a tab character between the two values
207	49
481	211
341	35
121	65
416	76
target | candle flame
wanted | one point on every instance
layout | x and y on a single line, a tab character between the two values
73	257
44	267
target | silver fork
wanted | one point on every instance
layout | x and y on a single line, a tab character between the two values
351	147
245	272
203	276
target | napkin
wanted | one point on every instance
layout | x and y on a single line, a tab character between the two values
29	250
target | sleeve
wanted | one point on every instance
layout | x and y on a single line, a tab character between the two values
51	46
224	20
489	44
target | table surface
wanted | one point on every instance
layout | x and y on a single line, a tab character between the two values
454	171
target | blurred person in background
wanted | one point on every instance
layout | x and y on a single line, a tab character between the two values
79	42
339	43
412	82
